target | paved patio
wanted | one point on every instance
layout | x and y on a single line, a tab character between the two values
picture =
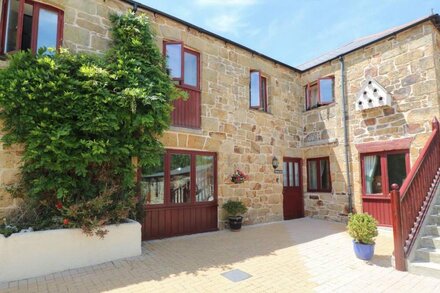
303	255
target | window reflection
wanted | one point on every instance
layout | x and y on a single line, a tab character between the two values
47	29
152	183
180	178
205	178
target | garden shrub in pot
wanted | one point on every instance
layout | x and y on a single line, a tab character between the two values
235	209
363	229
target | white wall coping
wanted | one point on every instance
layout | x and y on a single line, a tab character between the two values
32	254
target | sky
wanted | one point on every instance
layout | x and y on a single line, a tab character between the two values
294	31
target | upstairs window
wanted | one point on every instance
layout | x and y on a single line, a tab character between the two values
183	64
30	25
258	91
318	175
319	93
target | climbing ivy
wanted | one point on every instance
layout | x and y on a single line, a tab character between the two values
81	119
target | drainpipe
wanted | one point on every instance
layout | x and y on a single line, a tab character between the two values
346	141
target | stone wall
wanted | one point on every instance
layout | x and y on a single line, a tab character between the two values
243	138
404	65
248	139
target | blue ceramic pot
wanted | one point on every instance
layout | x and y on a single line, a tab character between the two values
363	251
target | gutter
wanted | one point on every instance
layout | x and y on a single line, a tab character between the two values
346	141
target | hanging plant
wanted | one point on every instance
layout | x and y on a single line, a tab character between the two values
238	177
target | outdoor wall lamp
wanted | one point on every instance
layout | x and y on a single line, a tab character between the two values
275	163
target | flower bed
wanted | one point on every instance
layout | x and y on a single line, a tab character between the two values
32	254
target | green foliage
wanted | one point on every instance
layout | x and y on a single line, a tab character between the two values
81	119
362	227
234	208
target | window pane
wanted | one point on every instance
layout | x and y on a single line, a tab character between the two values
27	26
296	174
205	178
396	164
174	60
312	175
255	89
373	176
11	26
47	29
263	93
325	174
180	178
190	69
285	182
291	174
152	183
313	96
326	90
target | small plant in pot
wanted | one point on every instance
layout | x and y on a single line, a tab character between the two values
363	229
235	210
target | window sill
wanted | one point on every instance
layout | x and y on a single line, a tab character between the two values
260	111
321	107
185	129
315	191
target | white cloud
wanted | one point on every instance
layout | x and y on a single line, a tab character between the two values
226	2
227	23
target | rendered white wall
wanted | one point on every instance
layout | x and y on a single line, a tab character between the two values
27	255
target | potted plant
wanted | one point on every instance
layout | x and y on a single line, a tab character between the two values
238	177
363	229
235	209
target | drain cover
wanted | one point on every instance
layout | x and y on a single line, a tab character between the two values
236	275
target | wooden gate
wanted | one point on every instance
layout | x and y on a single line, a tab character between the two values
180	195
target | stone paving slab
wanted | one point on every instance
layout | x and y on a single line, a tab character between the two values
302	255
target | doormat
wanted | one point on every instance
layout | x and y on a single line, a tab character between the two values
236	275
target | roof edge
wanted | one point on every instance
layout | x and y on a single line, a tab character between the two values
202	30
434	18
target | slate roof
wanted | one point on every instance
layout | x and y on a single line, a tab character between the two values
363	42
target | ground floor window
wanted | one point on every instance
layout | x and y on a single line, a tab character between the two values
181	177
381	170
318	175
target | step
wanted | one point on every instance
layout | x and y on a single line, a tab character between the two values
432	230
434	219
430	241
425	269
436	209
428	254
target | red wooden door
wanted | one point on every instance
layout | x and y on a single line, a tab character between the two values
379	172
293	202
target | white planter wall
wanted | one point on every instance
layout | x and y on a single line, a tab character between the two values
27	255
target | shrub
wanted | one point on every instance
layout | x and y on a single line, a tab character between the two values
362	227
81	119
234	208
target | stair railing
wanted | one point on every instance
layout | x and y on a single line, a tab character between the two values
410	204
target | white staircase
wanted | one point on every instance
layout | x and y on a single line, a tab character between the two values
424	258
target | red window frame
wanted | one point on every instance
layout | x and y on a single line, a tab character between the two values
262	106
384	172
193	179
36	13
308	90
181	80
319	179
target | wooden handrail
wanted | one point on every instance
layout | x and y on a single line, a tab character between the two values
410	203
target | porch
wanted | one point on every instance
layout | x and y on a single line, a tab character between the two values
299	255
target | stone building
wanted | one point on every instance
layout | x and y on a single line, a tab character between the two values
248	112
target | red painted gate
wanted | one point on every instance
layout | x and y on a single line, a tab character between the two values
293	202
